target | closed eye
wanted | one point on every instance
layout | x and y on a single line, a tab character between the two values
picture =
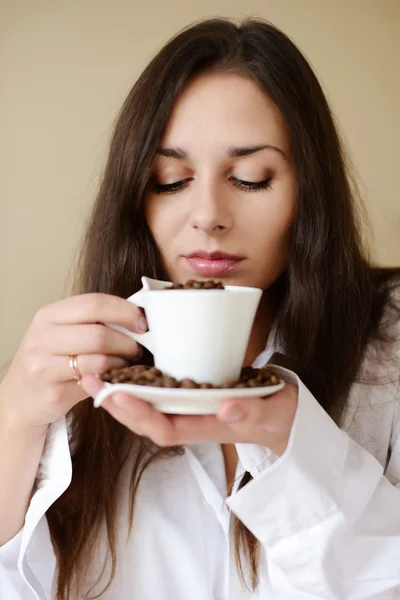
177	186
252	186
170	188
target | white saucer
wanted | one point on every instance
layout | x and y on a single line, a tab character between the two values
184	401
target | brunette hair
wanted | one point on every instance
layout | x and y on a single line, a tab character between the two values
331	298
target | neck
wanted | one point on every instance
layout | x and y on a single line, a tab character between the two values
266	313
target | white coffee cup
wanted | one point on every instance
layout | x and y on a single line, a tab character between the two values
196	334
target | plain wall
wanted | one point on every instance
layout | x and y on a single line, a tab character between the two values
65	68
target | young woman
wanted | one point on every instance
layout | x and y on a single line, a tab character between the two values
225	144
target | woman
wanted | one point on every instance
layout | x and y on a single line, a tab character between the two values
225	143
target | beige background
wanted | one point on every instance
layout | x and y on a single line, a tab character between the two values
65	67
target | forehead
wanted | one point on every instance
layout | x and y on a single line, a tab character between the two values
225	109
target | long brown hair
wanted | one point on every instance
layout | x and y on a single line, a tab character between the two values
331	298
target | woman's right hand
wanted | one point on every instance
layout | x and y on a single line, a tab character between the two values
39	387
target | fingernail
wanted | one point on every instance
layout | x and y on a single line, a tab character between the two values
142	325
118	401
89	389
234	415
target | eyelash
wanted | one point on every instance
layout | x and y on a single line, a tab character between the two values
248	186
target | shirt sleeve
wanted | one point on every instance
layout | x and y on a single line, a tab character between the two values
325	514
27	561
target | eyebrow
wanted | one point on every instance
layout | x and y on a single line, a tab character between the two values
236	152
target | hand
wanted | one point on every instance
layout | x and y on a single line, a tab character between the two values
39	387
267	422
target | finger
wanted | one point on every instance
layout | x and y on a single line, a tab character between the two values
119	414
57	369
72	394
95	364
91	384
142	418
95	308
273	410
166	430
89	339
200	428
232	411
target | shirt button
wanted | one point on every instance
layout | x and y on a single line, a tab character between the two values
205	503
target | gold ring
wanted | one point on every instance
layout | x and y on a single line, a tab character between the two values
73	363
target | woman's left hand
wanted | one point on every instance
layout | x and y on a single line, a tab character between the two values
264	421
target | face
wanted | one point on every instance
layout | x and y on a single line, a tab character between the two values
222	197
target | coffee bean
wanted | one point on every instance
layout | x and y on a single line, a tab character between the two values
148	376
253	383
153	377
155	372
123	377
188	384
192	284
168	382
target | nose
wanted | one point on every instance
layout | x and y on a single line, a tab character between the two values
210	210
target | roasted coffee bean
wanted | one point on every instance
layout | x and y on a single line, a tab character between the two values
137	368
148	376
155	372
253	383
168	382
192	284
151	376
188	384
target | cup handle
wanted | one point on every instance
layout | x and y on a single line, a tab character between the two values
145	339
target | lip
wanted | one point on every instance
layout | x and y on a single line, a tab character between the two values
218	255
212	264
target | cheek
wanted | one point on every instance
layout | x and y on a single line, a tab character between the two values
273	222
270	227
157	217
163	219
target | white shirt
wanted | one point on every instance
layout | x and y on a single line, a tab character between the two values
327	513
